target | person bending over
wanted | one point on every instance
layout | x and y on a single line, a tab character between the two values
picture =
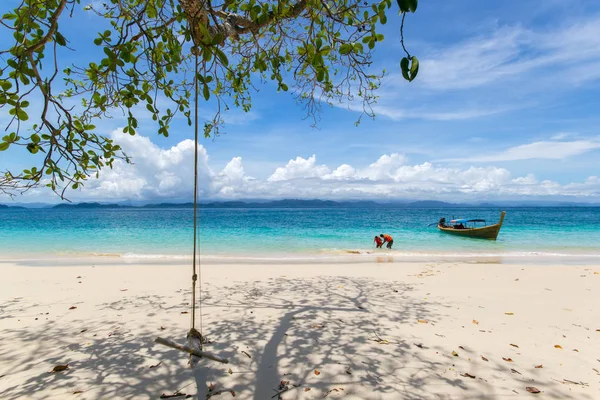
378	242
387	239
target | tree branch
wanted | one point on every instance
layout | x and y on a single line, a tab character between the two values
402	36
51	30
235	24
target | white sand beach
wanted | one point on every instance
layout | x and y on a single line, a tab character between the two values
414	330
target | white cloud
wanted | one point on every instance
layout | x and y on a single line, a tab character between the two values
386	167
512	51
234	172
529	179
155	173
344	171
475	62
505	69
167	173
398	114
300	168
562	136
159	175
548	150
232	180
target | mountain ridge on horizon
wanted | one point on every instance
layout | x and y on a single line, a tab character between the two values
301	203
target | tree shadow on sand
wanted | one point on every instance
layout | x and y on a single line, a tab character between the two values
340	328
289	338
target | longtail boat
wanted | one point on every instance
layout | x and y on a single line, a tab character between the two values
468	227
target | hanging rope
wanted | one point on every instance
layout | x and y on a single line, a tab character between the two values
195	338
196	271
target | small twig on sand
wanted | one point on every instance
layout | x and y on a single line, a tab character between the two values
172	396
156	365
280	392
380	340
575	383
218	392
571	382
284	386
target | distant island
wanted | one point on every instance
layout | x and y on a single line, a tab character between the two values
296	203
4	207
290	203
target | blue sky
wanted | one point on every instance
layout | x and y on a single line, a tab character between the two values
506	106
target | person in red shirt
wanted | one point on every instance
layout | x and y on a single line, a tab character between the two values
378	242
387	239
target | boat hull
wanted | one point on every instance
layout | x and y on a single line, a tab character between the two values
486	232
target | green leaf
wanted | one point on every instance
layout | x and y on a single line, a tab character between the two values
151	11
78	125
320	75
346	48
206	92
414	68
404	68
206	55
24	79
221	57
22	115
35	138
4	146
218	39
412	5
408	5
403	4
207	129
33	148
109	52
60	39
126	56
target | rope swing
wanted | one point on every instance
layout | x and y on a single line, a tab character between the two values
195	338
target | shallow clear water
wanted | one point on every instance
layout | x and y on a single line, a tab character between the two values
289	232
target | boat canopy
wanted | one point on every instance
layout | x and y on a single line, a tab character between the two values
463	221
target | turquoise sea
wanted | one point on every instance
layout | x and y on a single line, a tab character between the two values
292	233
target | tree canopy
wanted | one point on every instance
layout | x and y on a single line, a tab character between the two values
156	54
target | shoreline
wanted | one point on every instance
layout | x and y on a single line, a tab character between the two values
322	257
